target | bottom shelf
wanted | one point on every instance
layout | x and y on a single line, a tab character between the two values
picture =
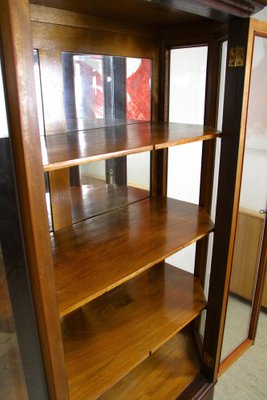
163	376
110	336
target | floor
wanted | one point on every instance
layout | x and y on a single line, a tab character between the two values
246	379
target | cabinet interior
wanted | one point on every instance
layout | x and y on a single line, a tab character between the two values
129	321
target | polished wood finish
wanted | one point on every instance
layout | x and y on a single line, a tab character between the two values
164	375
94	254
160	14
20	97
74	148
50	63
108	337
59	185
97	198
135	12
159	172
54	37
117	252
69	18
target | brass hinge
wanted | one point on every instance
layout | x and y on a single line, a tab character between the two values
236	56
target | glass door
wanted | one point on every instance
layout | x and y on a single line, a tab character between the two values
248	288
21	369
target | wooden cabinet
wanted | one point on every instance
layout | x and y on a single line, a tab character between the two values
248	242
119	303
115	320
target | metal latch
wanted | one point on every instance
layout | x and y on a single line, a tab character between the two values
236	56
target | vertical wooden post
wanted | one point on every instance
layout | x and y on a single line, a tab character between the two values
23	124
55	122
159	158
60	196
208	152
228	195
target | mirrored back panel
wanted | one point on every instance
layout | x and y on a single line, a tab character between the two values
98	91
92	91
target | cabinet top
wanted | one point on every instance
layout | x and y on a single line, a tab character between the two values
158	13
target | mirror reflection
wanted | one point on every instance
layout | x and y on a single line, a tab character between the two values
253	198
102	90
99	91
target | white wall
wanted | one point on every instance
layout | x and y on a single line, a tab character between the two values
187	101
262	15
254	179
138	170
3	118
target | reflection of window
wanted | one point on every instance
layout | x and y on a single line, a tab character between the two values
88	86
138	89
3	119
38	91
103	90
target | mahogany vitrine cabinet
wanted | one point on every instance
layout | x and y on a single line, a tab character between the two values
116	321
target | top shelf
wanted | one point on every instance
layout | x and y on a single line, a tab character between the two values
74	148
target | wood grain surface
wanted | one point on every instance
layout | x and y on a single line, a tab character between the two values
164	375
74	148
99	254
17	58
97	198
246	253
108	337
60	196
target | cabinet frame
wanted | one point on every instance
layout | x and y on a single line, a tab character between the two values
16	35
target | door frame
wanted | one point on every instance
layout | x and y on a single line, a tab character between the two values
256	28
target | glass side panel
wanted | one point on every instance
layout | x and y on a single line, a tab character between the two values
12	386
21	368
12	381
187	99
253	198
98	91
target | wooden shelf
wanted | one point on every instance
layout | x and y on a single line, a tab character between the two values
107	338
103	252
163	376
95	199
75	148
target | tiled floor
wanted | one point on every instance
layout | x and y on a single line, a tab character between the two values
246	379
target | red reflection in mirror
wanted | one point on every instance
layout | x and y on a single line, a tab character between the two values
138	91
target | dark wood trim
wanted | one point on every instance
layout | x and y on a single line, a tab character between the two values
227	203
208	151
215	9
19	78
194	34
200	389
159	172
60	197
159	158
